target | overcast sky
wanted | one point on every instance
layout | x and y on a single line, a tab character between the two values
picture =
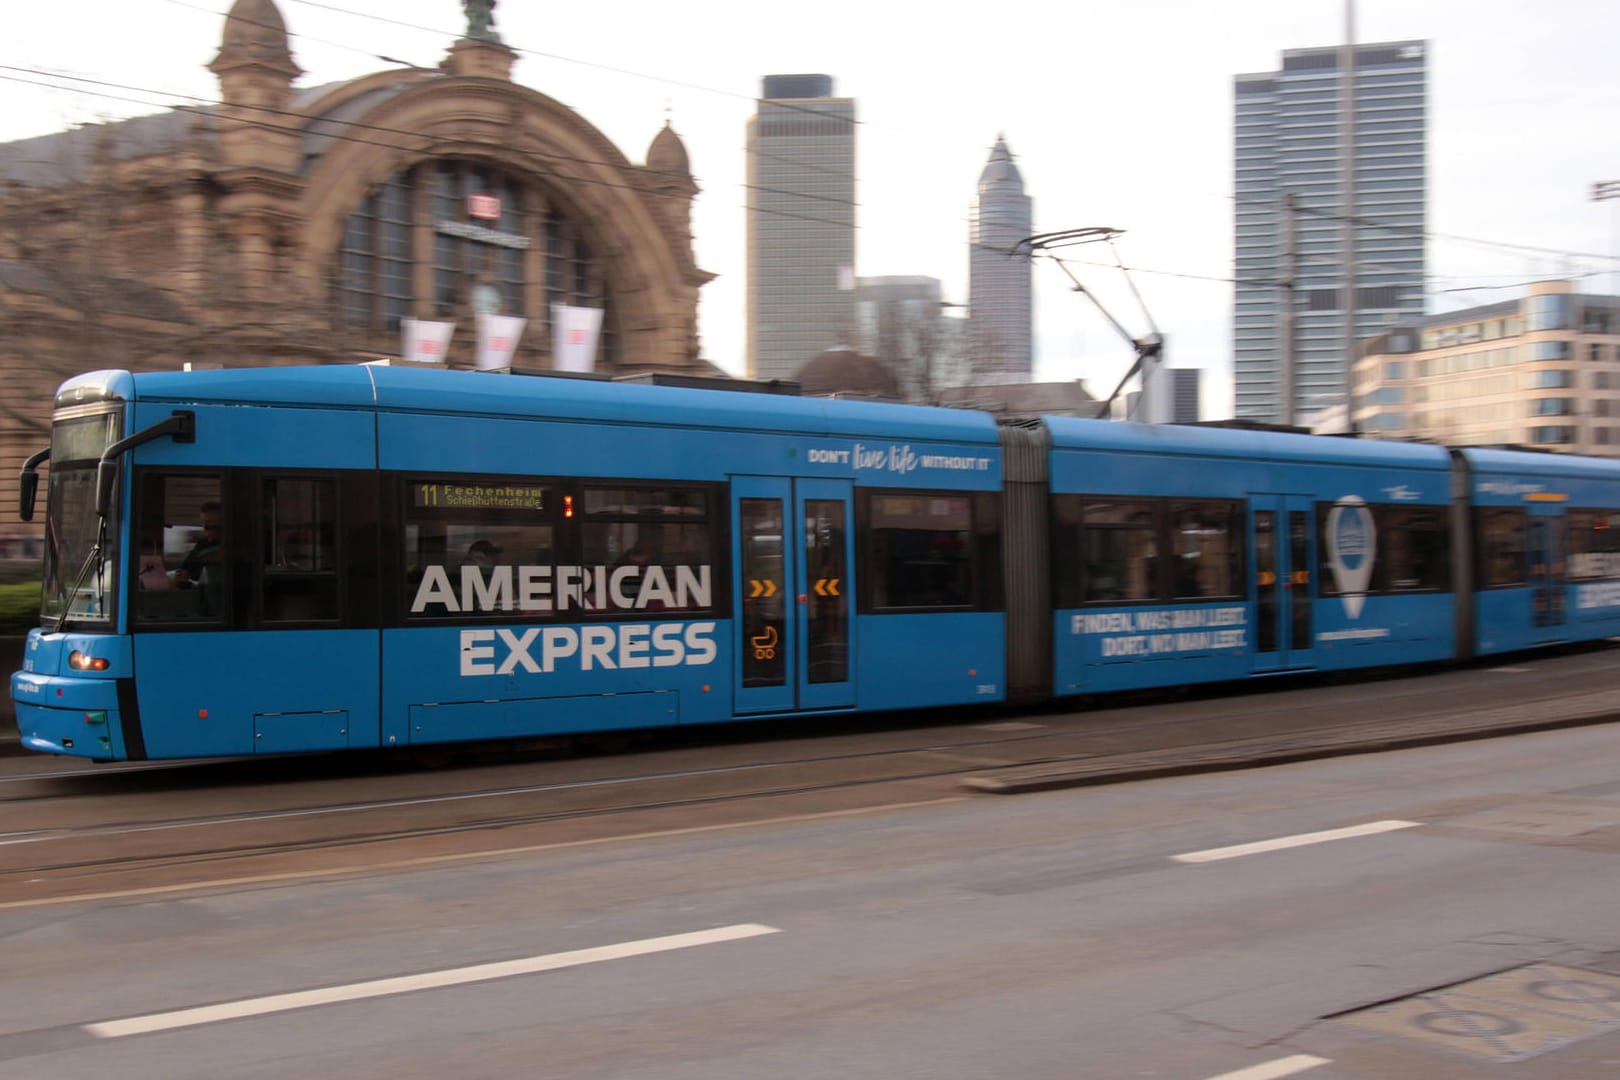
1118	114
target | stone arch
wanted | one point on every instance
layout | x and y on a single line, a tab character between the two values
650	271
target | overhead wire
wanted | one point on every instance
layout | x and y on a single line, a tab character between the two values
1357	219
787	105
193	101
1361	220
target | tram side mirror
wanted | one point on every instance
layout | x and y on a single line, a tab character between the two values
28	483
106	481
27	490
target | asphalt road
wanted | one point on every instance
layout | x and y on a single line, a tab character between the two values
1233	924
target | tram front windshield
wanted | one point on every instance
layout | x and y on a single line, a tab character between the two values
78	580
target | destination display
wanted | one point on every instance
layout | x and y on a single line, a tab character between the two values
479	496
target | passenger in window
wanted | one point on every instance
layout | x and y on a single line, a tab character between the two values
203	560
298	550
482	553
637	559
640	554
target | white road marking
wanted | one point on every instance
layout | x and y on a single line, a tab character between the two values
432	980
1511	670
1275	1070
1370	829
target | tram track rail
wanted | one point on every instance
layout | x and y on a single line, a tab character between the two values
133	824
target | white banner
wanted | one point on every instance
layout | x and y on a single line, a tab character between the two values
426	342
573	337
497	340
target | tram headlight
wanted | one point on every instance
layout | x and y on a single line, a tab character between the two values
81	661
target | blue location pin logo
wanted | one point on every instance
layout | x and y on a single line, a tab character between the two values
1352	542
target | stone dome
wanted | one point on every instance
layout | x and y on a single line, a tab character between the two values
255	32
667	153
845	371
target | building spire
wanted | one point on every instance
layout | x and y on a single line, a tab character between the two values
1000	170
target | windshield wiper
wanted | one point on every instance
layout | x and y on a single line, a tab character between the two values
94	560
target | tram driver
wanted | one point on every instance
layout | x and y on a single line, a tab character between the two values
203	560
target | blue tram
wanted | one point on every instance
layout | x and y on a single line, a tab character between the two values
1197	554
306	559
1547	564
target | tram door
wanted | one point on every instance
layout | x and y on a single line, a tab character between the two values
1544	546
794	554
1283	542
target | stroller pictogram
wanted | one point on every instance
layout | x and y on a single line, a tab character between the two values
765	644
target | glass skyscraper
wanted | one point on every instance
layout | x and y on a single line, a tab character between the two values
1000	300
801	224
1287	141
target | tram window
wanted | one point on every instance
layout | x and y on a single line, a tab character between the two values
1499	534
300	546
482	546
1120	551
1066	577
1414	553
651	567
655	543
659	502
1206	541
1594	544
183	543
920	550
1411	550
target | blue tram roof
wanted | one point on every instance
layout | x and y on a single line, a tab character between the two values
1071	433
1533	463
365	386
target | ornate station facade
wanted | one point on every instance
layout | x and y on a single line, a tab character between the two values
300	226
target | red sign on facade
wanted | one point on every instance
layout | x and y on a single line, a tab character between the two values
486	207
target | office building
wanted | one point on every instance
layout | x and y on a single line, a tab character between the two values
1287	137
1173	395
1000	298
1542	370
801	224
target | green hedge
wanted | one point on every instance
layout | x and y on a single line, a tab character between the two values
19	608
17	571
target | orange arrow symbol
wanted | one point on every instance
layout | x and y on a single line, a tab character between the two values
827	586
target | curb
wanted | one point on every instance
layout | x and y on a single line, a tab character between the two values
1195	759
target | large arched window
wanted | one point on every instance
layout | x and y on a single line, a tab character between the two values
447	238
377	257
481	239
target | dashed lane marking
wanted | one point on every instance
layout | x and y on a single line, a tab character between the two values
1276	1070
1372	828
432	980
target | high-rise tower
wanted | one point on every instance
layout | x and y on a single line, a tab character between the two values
1287	139
801	224
1000	300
